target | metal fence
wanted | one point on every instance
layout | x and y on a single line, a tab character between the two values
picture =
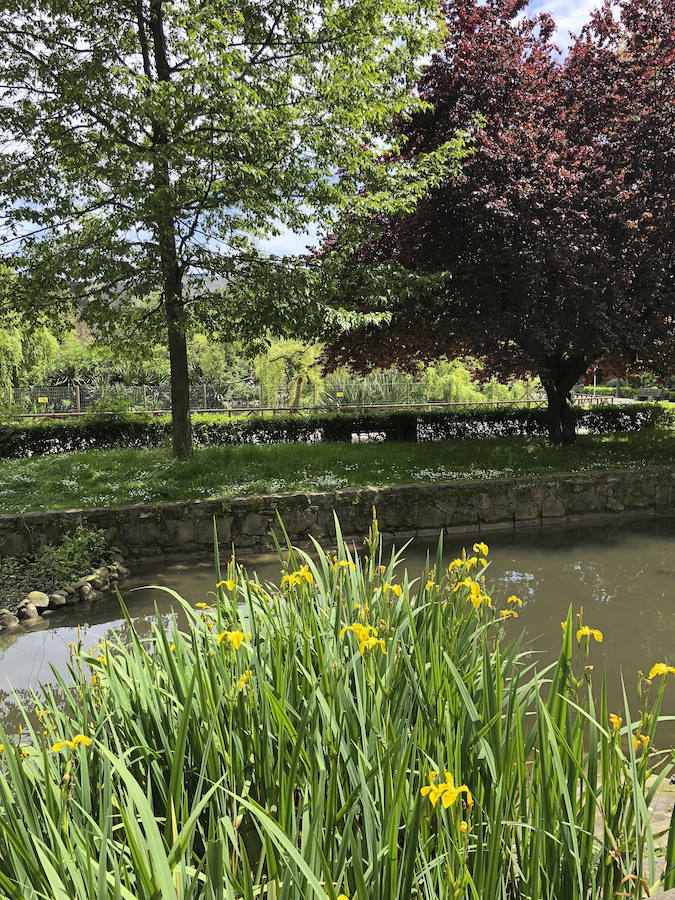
76	399
66	401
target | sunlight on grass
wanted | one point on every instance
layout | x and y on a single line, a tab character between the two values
117	477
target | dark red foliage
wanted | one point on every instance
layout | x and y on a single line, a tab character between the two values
559	234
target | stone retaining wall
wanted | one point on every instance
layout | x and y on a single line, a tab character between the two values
158	530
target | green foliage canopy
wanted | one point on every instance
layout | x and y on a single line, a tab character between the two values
148	145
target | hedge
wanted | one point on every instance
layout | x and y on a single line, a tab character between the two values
628	392
23	439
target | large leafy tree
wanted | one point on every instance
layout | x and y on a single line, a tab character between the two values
145	144
553	249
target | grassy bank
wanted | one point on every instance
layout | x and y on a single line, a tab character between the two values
347	734
116	477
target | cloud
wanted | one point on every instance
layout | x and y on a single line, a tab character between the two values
288	243
569	15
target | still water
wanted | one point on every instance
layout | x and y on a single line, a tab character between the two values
622	573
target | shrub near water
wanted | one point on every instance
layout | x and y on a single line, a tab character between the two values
349	734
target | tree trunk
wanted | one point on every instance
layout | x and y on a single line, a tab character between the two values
172	272
558	377
181	425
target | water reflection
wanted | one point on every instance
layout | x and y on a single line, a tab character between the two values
622	575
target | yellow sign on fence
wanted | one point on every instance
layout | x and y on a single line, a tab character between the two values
43	399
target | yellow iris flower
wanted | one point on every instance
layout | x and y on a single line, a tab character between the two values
366	636
370	643
641	739
234	637
615	721
447	792
228	584
244	680
661	669
293	578
516	600
481	548
585	631
78	739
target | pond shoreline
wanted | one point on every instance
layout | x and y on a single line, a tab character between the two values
155	531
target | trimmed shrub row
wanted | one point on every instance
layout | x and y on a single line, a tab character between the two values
24	439
609	391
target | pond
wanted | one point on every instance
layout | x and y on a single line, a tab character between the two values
622	573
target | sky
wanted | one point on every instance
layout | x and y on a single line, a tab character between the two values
569	15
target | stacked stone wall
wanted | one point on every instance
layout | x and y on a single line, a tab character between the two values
153	531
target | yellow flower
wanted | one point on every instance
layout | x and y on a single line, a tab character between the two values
505	613
660	669
342	897
366	636
362	632
463	827
244	680
615	721
475	594
446	792
290	579
563	625
172	647
640	739
345	564
455	564
370	643
2	748
203	606
481	548
396	588
430	585
585	631
228	584
234	637
293	578
517	601
357	606
78	739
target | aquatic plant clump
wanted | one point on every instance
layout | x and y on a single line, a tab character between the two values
348	734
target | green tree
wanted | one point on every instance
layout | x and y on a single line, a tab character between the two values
149	144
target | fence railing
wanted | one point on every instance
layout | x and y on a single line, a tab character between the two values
528	400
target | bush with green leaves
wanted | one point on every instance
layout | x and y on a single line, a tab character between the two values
77	554
109	426
350	733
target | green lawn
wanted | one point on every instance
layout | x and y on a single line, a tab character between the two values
115	477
